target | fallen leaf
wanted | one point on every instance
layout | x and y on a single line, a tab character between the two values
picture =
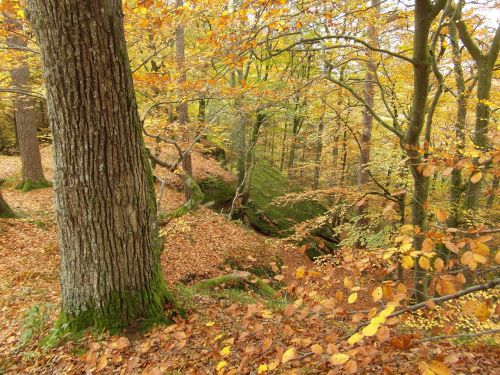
339	359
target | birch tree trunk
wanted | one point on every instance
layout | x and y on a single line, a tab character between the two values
25	114
105	204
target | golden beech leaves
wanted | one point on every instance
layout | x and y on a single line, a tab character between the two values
339	359
300	273
424	263
348	282
352	298
289	354
407	262
377	294
476	177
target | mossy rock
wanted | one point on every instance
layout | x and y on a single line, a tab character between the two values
217	190
266	184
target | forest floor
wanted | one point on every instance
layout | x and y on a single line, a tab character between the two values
302	331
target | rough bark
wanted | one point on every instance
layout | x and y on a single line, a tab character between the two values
25	114
105	204
5	210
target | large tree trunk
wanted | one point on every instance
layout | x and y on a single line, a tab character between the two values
5	210
105	204
25	114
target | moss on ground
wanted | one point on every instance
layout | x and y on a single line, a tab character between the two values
28	185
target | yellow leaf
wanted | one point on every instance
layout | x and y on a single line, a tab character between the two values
497	257
377	294
424	263
481	249
290	354
102	363
317	349
209	324
348	282
300	273
476	177
267	314
438	368
352	298
371	329
438	264
339	359
226	351
388	310
479	258
407	262
221	365
262	368
469	307
482	312
354	338
466	258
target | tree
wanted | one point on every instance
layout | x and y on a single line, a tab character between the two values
25	115
106	211
5	210
369	96
182	109
485	62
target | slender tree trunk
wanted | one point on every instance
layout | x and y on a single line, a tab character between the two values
485	62
319	151
335	156
492	195
424	15
369	95
25	113
343	165
105	204
283	147
272	147
456	187
180	58
202	110
182	109
480	137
